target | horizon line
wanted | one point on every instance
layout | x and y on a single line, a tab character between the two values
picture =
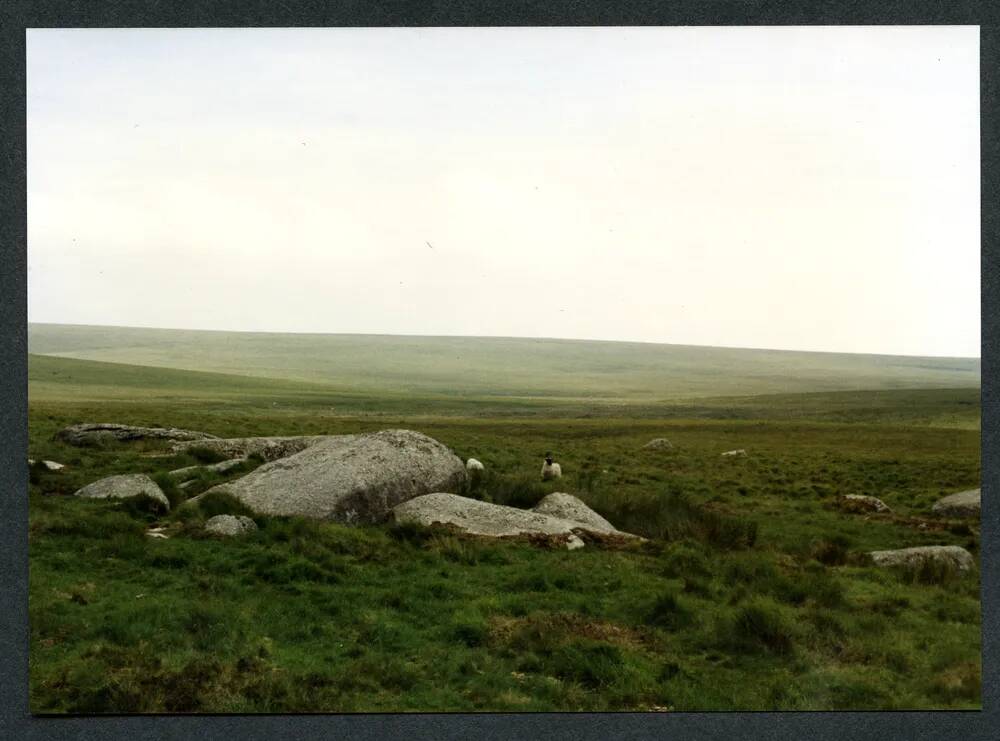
506	337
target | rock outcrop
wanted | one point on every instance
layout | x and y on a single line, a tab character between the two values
567	507
229	525
268	448
962	504
123	487
95	433
350	478
946	555
221	467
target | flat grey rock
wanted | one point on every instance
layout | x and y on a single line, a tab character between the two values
862	503
567	507
268	448
350	478
952	555
123	487
962	504
89	433
49	465
220	467
479	518
229	525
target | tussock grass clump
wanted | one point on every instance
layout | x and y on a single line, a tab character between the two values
832	551
675	516
930	571
222	503
521	491
204	454
143	507
758	625
671	612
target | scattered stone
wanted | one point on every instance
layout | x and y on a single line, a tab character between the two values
124	487
186	484
658	443
157	532
268	448
221	467
951	555
229	525
861	503
740	452
962	504
567	507
473	465
95	433
350	478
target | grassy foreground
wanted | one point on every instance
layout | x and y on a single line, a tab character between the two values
750	594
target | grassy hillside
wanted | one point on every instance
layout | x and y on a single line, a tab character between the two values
503	367
751	593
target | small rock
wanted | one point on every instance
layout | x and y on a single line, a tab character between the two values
473	465
952	555
124	487
861	503
962	504
229	526
658	443
573	542
740	452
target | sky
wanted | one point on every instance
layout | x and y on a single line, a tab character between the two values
796	188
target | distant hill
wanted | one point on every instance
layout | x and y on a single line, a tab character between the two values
498	367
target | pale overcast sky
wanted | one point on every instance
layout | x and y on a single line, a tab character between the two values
799	188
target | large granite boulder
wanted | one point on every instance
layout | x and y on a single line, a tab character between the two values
123	487
95	433
963	504
230	526
948	555
350	478
268	448
567	507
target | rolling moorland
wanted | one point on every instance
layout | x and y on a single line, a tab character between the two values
751	592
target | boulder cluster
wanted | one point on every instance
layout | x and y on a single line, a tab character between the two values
406	477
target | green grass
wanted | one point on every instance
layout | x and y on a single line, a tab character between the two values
749	594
